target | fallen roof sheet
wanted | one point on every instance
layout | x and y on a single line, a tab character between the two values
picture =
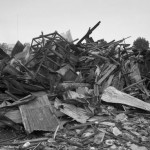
37	115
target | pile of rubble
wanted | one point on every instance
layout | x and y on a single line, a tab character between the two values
89	95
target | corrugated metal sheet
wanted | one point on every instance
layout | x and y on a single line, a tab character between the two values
37	115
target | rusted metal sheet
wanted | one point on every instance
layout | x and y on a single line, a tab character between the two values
37	115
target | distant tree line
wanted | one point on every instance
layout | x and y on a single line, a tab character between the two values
141	45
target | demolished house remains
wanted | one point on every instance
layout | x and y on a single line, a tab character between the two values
82	94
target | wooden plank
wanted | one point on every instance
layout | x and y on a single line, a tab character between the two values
37	115
111	69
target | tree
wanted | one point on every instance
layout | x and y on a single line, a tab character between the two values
141	44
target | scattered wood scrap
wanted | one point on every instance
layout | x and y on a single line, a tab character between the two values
77	95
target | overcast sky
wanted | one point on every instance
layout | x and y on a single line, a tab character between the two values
25	19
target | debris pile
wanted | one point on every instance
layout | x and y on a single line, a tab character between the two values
88	95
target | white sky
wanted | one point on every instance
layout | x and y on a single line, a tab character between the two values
25	19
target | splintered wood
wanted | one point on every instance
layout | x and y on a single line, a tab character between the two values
110	69
58	85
